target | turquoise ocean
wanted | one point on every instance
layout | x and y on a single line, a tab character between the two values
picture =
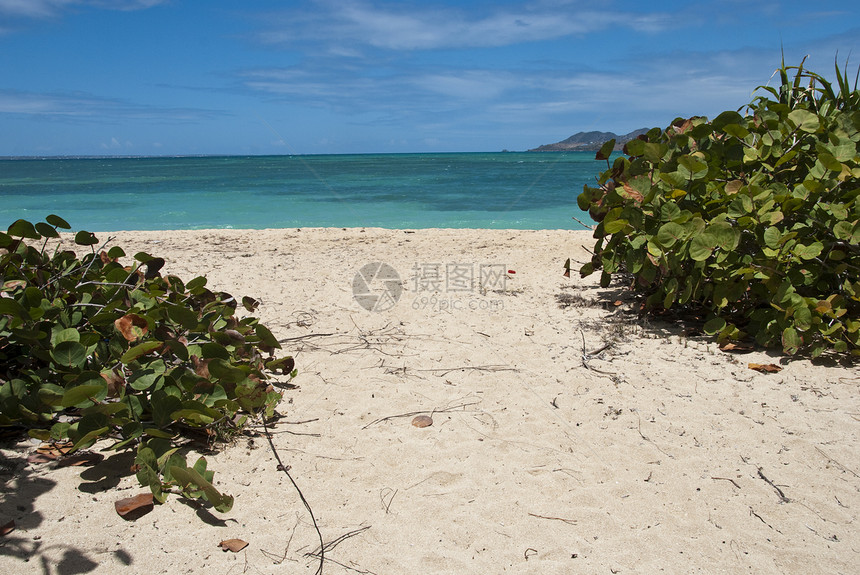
528	190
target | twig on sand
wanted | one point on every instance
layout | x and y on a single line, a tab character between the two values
329	547
562	519
286	470
782	497
839	465
413	413
443	371
733	482
588	356
278	559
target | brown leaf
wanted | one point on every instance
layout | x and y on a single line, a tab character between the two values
115	382
234	545
422	421
632	193
132	508
201	366
131	326
81	460
7	528
53	451
765	368
37	458
735	346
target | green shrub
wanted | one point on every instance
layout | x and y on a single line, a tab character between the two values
92	349
753	218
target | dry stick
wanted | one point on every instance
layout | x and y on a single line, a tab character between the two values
446	370
568	521
383	494
411	413
328	547
276	560
727	479
301	337
582	223
782	497
285	469
586	357
831	460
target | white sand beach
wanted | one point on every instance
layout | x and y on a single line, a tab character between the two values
659	453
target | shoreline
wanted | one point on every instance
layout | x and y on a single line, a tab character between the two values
544	456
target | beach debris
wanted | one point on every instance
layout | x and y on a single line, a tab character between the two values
234	545
48	452
81	460
422	421
132	326
765	368
7	528
131	508
736	347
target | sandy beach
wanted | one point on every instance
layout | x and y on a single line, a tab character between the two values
653	451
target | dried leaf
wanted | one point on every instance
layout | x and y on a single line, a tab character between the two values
131	326
81	460
737	347
422	421
631	193
51	451
234	545
765	368
115	382
37	458
132	508
7	528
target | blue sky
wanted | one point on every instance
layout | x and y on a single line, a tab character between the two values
167	77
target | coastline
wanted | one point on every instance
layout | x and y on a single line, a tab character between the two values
649	455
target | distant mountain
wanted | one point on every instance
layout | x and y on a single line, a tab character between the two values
589	141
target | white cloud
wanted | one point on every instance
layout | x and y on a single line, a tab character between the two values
413	27
90	108
48	8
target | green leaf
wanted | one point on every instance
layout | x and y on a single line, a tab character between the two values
670	233
605	150
772	238
266	336
184	316
808	252
13	309
46	231
791	341
805	120
69	354
701	248
714	326
58	222
69	334
83	238
23	229
195	284
90	438
139	350
80	394
188	477
225	372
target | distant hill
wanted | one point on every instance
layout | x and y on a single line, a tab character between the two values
589	141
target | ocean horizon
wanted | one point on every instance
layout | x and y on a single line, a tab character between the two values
515	190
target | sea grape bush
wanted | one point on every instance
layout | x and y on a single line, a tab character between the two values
93	349
752	218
